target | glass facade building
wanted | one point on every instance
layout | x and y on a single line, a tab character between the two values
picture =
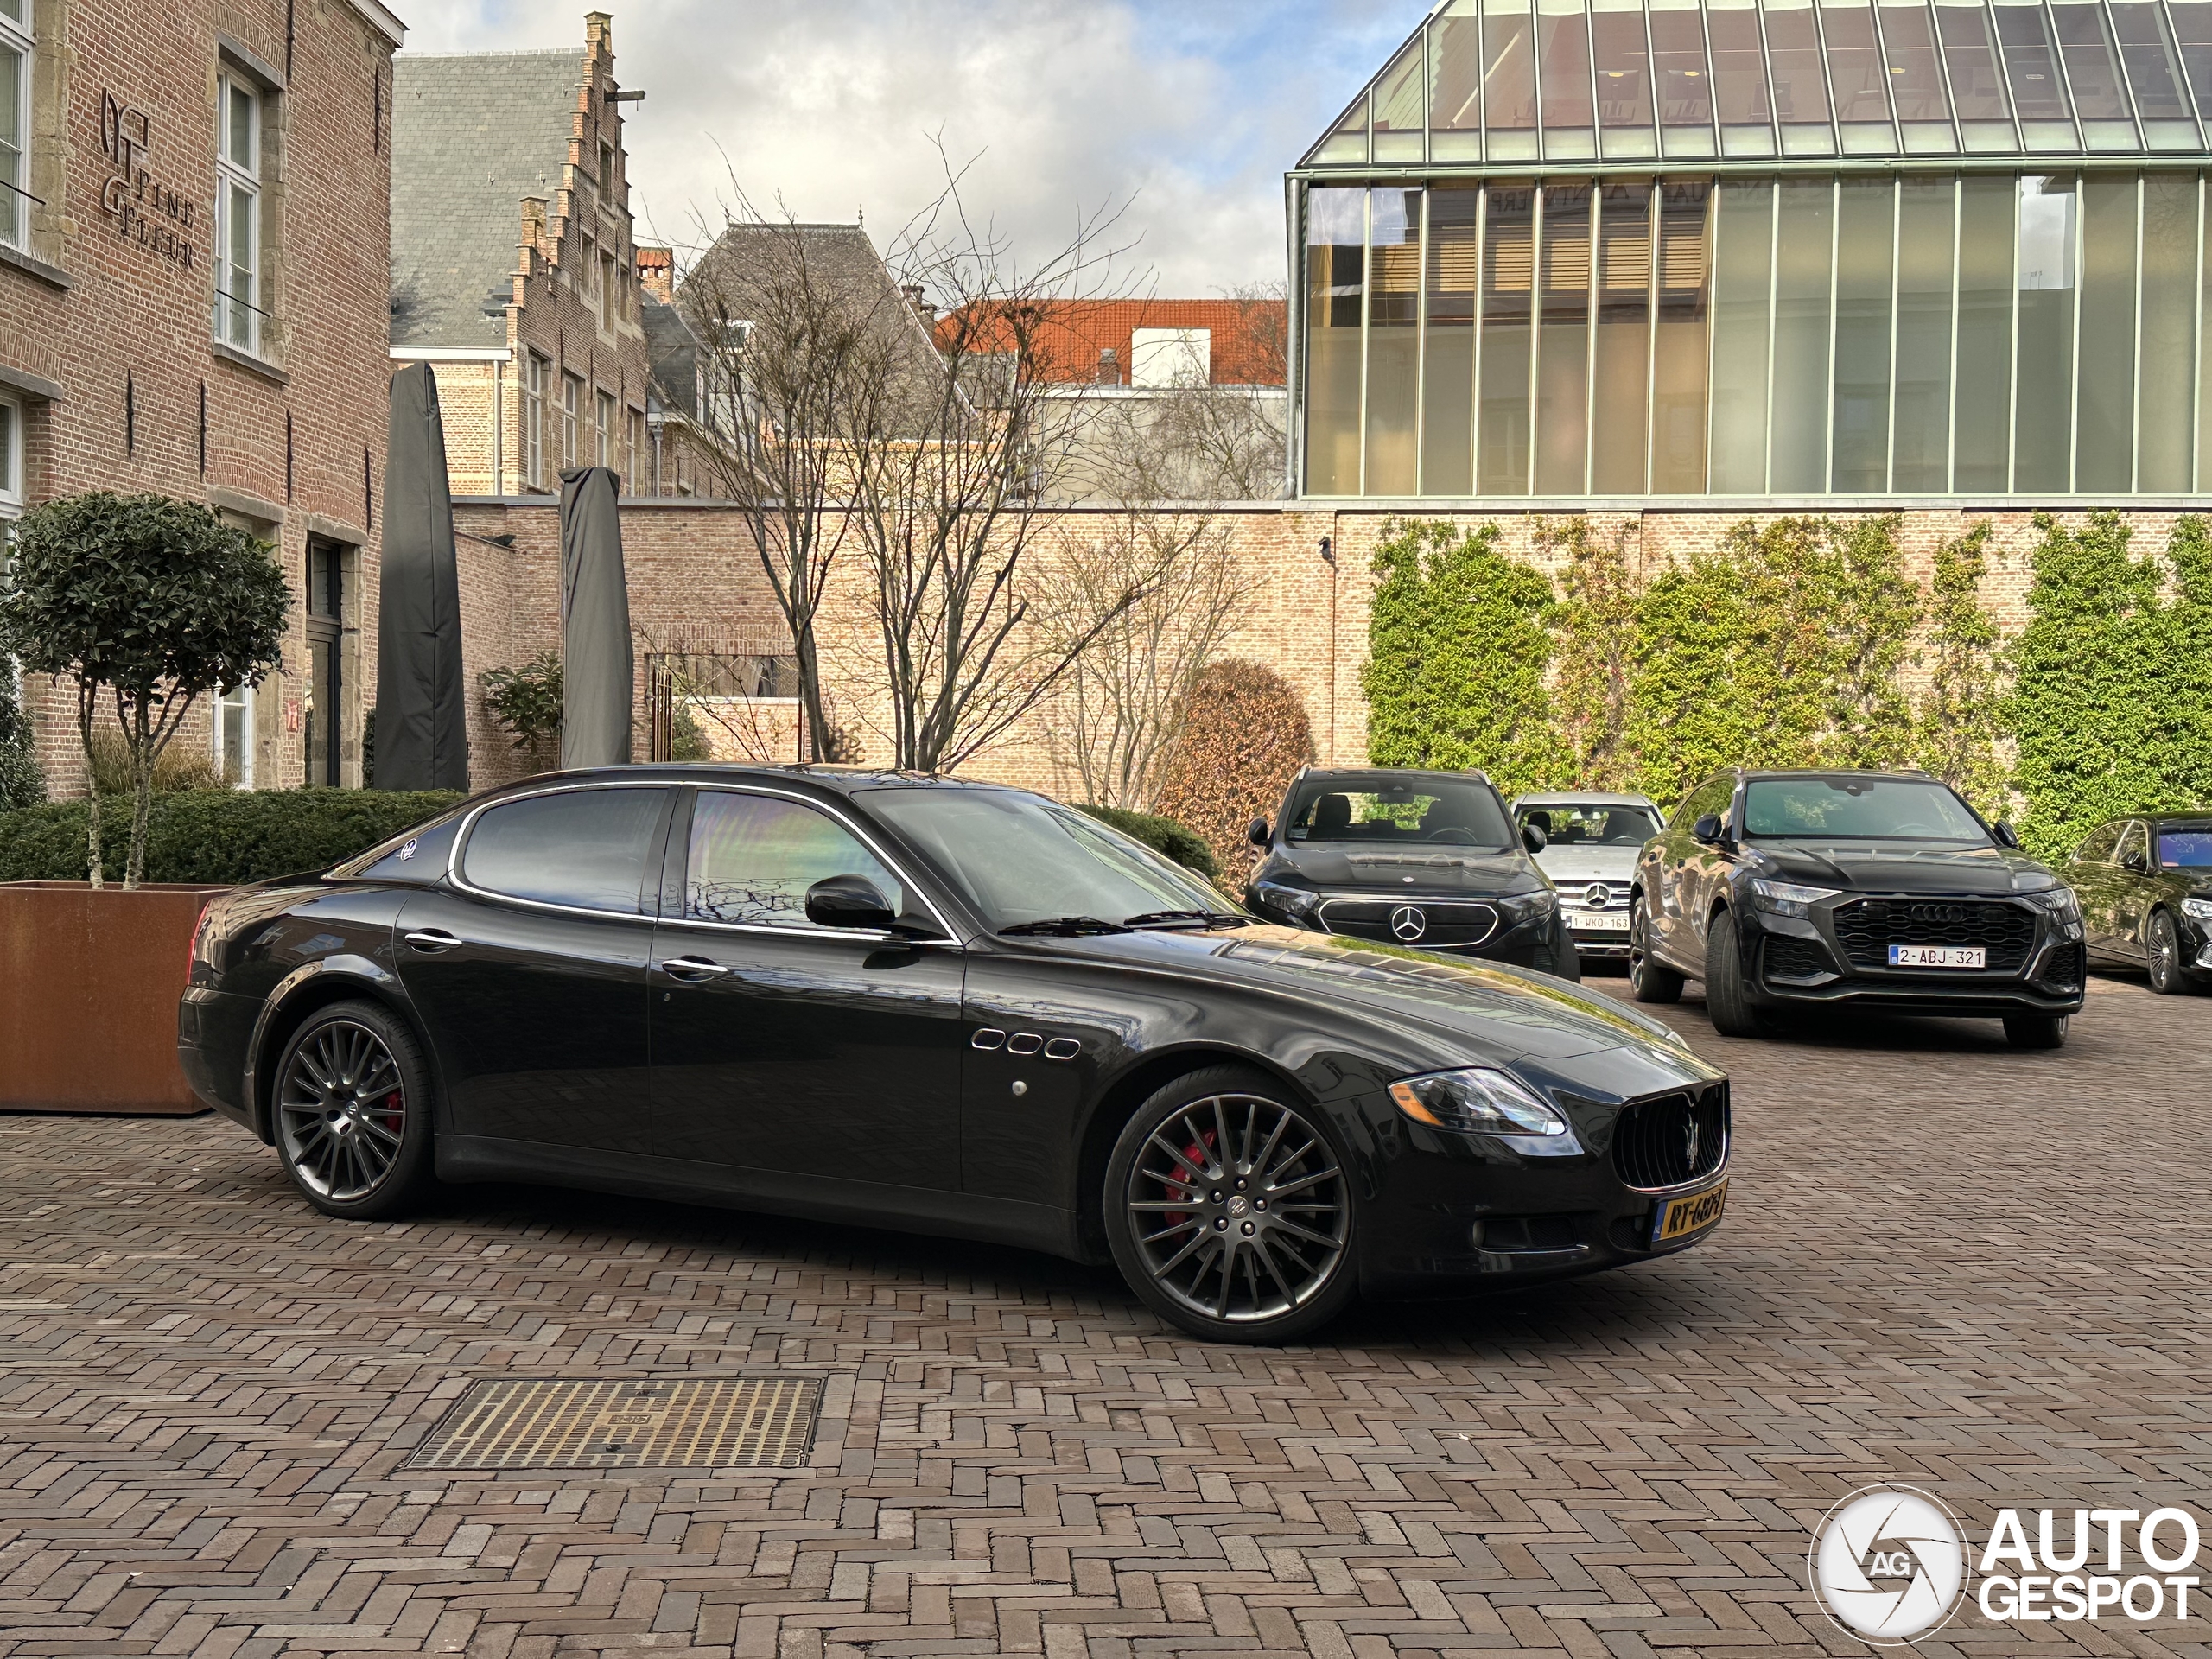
1574	248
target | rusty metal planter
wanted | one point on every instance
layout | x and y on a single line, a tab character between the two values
89	984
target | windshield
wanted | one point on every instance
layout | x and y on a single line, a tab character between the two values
1442	811
1859	809
1590	826
1024	859
2185	847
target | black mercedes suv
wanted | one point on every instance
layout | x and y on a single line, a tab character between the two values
1426	860
1783	889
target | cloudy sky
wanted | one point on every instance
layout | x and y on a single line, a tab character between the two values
1183	113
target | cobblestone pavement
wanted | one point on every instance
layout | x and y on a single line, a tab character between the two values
1944	1262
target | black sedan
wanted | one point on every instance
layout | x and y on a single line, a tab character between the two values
944	1007
1855	889
1407	856
2145	884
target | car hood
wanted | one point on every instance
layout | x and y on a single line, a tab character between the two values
1459	1011
1572	865
1428	870
1903	867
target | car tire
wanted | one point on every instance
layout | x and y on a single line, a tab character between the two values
1727	999
2161	954
1566	961
1191	1225
2036	1030
352	1112
1647	980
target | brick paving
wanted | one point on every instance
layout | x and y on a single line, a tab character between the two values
1982	1271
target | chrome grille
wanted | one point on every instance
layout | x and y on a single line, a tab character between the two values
1444	922
1867	927
1671	1138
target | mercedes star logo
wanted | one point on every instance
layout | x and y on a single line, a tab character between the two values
1596	895
1407	922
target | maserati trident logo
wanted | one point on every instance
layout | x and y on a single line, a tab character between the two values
1407	922
1689	1142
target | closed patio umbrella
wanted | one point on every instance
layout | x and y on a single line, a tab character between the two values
422	735
595	661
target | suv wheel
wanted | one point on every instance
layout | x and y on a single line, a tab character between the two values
1727	999
2036	1030
1647	980
352	1111
2162	948
1229	1208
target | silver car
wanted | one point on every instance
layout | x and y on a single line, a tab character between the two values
1591	846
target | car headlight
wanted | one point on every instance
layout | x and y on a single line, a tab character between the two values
1786	898
2059	901
1301	904
1477	1099
2197	910
1523	907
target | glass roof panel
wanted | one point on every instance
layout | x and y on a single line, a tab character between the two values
1572	81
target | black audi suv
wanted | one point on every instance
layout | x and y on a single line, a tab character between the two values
1426	859
947	1007
1859	889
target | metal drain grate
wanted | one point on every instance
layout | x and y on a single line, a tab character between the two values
562	1422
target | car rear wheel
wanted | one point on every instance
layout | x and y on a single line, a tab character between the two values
2036	1030
353	1112
1229	1210
1647	980
1727	999
2162	947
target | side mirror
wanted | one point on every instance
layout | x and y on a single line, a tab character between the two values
1256	832
1534	838
2133	859
2006	834
848	901
1707	829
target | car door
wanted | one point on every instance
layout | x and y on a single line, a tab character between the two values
1705	868
527	967
783	1047
2090	874
1679	928
2133	890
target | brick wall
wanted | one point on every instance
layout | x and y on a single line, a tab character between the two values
114	308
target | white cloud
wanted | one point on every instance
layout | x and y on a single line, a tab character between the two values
1189	114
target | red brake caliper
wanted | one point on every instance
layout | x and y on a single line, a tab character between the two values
1196	1154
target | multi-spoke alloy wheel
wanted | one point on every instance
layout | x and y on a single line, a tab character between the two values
349	1092
1235	1215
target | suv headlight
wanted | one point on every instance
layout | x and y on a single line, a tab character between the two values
1786	898
2197	910
1523	907
1477	1099
1301	904
2059	901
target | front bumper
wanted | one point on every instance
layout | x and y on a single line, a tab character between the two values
1807	963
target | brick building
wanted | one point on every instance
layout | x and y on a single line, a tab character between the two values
515	268
193	259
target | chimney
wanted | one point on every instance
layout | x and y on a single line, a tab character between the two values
1109	367
657	274
920	301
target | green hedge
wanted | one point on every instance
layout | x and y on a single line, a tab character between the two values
229	836
1179	842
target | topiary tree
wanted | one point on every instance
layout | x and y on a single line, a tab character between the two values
21	782
147	603
1244	736
526	701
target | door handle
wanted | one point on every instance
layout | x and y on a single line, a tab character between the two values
692	970
432	940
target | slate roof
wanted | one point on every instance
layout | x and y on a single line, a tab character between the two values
472	135
673	359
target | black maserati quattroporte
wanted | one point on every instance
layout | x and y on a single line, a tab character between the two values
1852	890
942	1007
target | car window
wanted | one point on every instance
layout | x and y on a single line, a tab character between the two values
419	855
1447	812
752	857
1566	825
1708	797
2185	846
582	847
1859	807
2100	845
2133	839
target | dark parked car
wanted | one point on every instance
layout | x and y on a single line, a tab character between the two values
944	1007
2145	886
1428	860
1803	889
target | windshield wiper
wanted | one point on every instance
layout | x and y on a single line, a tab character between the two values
1068	926
1164	918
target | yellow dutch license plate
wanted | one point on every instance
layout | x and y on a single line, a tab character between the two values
1680	1217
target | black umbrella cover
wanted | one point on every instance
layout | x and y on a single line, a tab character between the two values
421	695
596	667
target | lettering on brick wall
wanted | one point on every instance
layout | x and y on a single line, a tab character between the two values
143	210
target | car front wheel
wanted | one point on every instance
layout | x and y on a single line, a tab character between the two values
1727	999
1229	1210
1648	981
2168	978
2036	1030
353	1112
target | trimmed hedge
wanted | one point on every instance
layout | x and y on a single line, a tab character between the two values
217	835
1179	842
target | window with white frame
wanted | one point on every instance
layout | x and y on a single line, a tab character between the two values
14	122
609	435
634	453
572	398
238	308
233	713
11	458
535	369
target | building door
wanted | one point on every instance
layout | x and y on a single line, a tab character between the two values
325	662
